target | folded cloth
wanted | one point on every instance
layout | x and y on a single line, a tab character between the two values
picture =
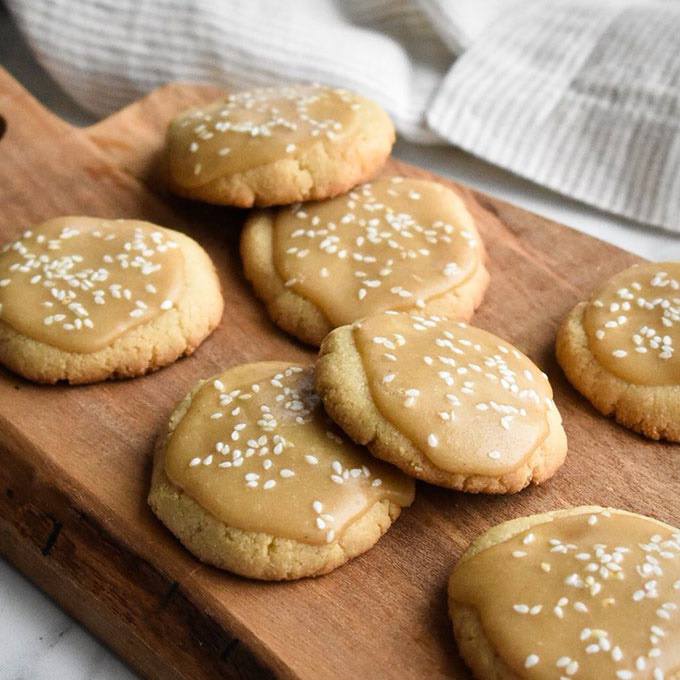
582	96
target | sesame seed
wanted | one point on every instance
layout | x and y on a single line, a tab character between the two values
531	660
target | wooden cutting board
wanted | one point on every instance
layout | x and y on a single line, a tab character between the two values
75	461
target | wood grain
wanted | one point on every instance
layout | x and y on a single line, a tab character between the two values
76	461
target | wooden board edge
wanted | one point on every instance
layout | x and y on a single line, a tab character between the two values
121	598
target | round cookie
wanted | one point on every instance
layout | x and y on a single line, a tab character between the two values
84	299
578	593
253	477
445	402
618	349
392	244
274	146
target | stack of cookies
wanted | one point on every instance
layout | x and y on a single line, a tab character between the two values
275	471
263	469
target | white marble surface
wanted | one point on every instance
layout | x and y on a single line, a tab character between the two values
38	641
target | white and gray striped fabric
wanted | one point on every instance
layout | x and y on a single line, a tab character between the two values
582	96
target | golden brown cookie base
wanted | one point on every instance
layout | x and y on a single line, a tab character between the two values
324	171
303	319
252	554
342	384
650	410
473	645
143	349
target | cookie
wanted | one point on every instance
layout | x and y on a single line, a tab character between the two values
392	244
275	146
618	349
253	477
445	402
84	299
578	593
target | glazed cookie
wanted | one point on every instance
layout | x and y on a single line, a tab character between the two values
579	593
253	477
84	299
392	244
445	402
618	349
277	145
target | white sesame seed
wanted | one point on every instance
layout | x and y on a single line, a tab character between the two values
531	660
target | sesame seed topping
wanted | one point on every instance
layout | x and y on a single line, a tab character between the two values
78	282
261	444
439	380
275	115
635	317
531	660
375	243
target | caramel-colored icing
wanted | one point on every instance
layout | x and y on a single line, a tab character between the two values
390	244
469	401
633	324
257	127
256	450
78	283
587	596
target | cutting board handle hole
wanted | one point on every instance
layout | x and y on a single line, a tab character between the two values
3	127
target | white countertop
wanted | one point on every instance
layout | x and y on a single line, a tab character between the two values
38	641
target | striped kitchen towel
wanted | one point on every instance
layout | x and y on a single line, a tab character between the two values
582	96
